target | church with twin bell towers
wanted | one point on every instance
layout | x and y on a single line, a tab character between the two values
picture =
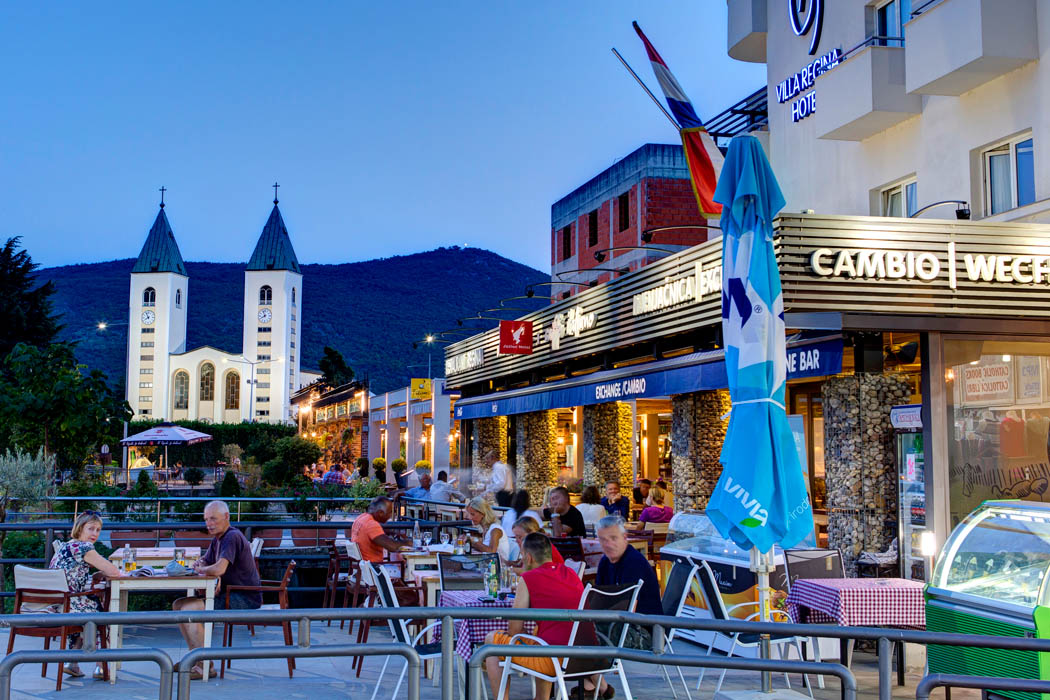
165	381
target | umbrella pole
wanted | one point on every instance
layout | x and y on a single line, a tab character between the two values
762	564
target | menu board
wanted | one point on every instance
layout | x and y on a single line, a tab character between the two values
1002	380
987	382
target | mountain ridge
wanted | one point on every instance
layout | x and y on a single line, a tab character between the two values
370	310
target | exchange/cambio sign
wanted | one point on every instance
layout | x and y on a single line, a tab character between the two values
472	359
882	264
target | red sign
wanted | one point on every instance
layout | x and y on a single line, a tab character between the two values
515	337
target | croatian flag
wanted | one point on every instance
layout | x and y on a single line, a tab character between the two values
701	153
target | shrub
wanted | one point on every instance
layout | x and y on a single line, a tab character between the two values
399	465
194	476
293	453
230	486
365	489
422	466
144	487
83	489
378	463
362	467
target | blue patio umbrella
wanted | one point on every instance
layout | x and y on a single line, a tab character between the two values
760	499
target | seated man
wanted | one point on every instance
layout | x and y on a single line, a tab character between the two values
543	585
613	502
623	565
566	519
442	491
368	534
334	475
229	556
421	491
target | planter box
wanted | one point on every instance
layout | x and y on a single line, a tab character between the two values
271	537
311	537
192	538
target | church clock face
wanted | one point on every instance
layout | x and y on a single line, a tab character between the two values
265	315
148	317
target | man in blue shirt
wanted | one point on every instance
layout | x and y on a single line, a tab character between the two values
421	491
614	503
623	564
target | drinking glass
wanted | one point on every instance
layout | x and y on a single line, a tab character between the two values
180	556
428	536
129	560
444	537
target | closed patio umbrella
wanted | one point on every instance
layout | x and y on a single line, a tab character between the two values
760	499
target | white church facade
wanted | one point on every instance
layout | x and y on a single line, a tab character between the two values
165	381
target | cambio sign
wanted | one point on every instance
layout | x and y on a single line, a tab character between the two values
926	266
806	16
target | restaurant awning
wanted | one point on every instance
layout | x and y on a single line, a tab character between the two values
811	357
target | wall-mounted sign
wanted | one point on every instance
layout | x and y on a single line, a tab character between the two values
989	382
812	20
674	292
906	417
515	337
570	324
420	389
803	80
472	359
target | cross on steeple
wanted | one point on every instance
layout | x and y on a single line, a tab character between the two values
162	190
275	186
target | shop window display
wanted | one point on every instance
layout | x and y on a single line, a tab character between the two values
999	422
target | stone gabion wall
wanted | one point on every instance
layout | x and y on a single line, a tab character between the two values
859	462
537	452
489	433
607	443
697	433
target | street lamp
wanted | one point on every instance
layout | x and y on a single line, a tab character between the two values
101	327
251	383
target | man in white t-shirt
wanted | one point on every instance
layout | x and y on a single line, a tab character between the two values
502	478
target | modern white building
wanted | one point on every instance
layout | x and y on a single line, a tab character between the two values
165	381
880	108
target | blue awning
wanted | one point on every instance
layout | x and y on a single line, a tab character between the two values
680	375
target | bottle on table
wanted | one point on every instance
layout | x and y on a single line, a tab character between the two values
417	537
492	578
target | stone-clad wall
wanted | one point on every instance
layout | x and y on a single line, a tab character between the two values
537	453
607	443
489	433
697	433
859	466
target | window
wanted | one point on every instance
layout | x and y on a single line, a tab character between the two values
566	242
182	391
262	413
262	399
145	385
145	412
1009	175
148	330
149	296
623	204
264	343
900	199
233	390
262	357
293	296
146	370
178	298
263	370
207	382
890	20
293	343
146	399
592	229
146	343
262	385
265	329
265	295
146	358
291	358
293	317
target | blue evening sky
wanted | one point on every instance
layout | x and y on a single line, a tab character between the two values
393	127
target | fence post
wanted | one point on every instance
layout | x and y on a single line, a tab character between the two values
446	658
49	536
885	663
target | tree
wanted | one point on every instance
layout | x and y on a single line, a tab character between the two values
335	372
48	402
26	316
230	487
24	478
293	453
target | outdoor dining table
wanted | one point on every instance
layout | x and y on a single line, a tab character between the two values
859	602
121	586
154	556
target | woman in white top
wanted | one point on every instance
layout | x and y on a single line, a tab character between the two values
590	506
481	514
519	508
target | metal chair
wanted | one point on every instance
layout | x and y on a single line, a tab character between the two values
625	599
378	576
676	592
464	572
278	587
47	591
716	606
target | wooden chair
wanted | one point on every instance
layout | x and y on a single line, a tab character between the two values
278	587
339	569
46	590
569	547
650	541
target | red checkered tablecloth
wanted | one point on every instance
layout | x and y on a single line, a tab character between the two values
858	602
471	632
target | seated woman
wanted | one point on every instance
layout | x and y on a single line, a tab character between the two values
481	514
590	506
525	526
655	511
77	557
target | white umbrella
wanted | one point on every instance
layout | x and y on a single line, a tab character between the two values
165	434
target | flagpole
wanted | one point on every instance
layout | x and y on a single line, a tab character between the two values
647	91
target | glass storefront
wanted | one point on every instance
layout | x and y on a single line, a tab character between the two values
998	422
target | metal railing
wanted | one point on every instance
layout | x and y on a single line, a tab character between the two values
659	624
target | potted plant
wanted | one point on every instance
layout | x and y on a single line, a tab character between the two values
362	467
379	468
399	465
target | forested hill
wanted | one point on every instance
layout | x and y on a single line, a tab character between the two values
370	311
